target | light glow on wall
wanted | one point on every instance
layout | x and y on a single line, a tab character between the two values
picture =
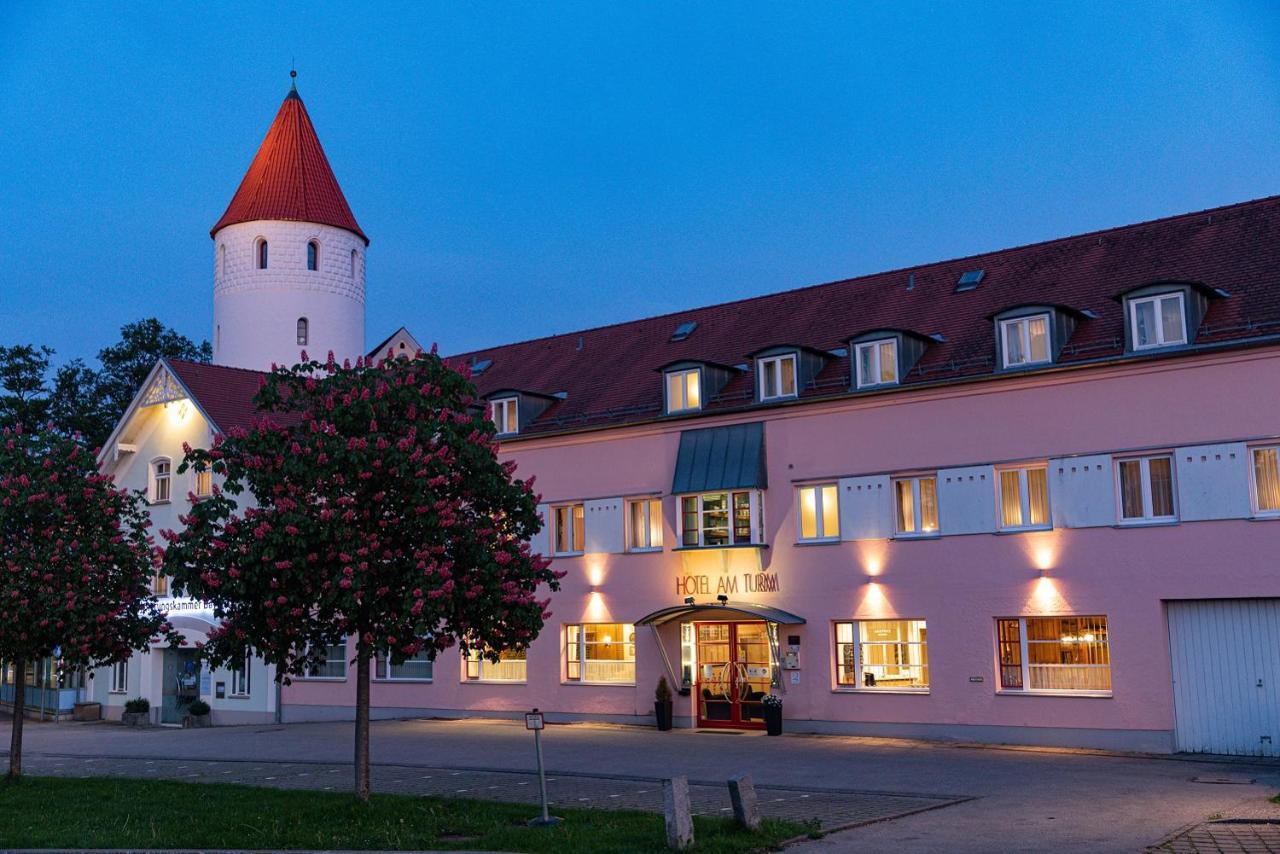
872	554
178	411
595	570
875	602
1042	549
597	611
1046	597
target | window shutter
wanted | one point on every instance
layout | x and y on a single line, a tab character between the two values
967	500
866	508
1082	492
541	542
604	521
1212	481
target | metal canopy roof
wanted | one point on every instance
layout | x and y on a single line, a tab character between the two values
760	612
716	458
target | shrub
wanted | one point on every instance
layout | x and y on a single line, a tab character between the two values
663	692
198	707
138	705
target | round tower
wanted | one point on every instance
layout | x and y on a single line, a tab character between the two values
288	256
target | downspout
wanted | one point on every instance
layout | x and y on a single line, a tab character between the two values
662	650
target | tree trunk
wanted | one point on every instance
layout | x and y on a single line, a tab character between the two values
362	728
19	714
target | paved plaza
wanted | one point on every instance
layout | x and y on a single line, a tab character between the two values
899	795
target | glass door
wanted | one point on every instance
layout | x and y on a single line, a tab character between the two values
181	684
733	674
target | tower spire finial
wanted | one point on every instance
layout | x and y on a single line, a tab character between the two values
293	78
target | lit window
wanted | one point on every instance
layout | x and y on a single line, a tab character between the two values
262	254
313	255
506	415
1024	497
568	534
419	668
1025	340
916	505
160	584
1055	654
600	652
877	362
777	377
240	677
1266	480
721	519
333	663
161	477
819	512
510	666
204	482
304	328
882	654
120	677
644	524
684	390
1157	321
1146	489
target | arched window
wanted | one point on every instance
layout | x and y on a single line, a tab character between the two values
313	255
262	254
353	263
302	331
161	472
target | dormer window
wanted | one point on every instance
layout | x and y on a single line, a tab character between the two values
1158	321
877	362
684	390
506	415
1025	340
777	376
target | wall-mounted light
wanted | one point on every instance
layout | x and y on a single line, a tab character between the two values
722	599
688	600
1041	573
872	579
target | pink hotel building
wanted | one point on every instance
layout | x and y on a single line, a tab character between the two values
1028	496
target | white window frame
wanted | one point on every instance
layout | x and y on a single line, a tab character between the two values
581	660
877	364
1025	659
505	410
756	509
1156	299
1258	510
1147	502
303	327
156	479
313	255
682	405
241	678
647	507
201	482
1021	326
345	665
918	530
382	671
1024	498
474	661
857	642
120	677
821	534
773	365
576	513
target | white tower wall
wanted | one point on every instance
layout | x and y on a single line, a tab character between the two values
256	311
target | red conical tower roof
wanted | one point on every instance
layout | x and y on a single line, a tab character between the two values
290	178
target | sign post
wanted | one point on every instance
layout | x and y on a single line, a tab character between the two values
535	721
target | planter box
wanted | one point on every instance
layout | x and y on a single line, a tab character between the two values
773	720
136	718
198	721
86	712
662	714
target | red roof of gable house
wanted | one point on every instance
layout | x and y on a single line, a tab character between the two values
290	178
610	374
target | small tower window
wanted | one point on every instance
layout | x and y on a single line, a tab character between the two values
222	259
302	331
313	255
262	254
353	263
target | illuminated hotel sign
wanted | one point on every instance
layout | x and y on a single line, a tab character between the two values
729	585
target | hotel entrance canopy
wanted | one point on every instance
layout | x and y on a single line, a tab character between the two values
709	610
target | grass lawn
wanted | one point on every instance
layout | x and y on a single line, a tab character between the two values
47	812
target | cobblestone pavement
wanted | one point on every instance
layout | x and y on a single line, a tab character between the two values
1237	836
831	808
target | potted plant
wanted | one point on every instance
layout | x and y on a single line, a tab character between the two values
773	714
137	712
662	706
198	714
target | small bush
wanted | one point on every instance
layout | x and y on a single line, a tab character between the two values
198	707
138	705
663	692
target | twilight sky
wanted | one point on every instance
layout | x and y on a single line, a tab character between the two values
530	168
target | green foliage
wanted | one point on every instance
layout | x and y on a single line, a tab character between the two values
379	510
137	706
198	707
662	693
24	395
149	814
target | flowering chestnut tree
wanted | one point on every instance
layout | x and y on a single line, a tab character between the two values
367	502
76	563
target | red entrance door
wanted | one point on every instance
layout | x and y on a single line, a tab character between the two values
734	674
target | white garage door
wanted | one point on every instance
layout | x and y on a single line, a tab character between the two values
1226	675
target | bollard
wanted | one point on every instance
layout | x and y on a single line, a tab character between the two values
746	808
675	808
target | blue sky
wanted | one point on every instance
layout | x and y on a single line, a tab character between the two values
530	168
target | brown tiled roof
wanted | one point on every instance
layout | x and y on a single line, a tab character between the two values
290	178
608	373
225	394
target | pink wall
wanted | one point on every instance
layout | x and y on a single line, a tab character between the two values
959	584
